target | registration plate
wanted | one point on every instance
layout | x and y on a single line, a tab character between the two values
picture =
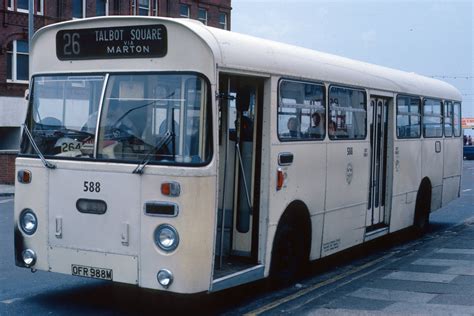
92	272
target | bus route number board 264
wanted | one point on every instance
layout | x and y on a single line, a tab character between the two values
92	272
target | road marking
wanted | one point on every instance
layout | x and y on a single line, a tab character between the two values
443	262
300	293
6	201
12	300
428	309
461	270
467	190
392	295
456	251
420	276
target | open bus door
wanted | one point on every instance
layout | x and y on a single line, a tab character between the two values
240	107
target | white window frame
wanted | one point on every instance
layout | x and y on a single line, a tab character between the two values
10	5
189	10
15	53
206	19
225	22
40	10
155	10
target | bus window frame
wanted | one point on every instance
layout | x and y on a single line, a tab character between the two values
440	115
445	103
420	116
460	116
209	130
301	139
364	90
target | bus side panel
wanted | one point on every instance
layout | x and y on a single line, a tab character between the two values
406	180
452	168
343	229
34	196
304	181
431	165
191	262
346	198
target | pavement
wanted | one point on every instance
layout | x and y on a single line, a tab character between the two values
7	190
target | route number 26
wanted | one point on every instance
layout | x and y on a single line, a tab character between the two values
71	44
91	186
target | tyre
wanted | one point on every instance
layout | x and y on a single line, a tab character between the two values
421	220
289	256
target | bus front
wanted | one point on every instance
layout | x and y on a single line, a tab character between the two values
116	178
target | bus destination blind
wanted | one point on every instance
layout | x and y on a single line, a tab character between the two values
141	41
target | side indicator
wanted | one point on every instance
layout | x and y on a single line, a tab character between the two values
170	189
24	176
280	179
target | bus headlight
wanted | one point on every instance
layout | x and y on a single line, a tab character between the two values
29	257
28	221
165	278
166	237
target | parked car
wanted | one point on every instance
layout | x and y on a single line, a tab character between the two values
468	152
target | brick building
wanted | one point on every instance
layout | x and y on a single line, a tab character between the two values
14	48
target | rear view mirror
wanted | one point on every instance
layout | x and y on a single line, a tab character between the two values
27	94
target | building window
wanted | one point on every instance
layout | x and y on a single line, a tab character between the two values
223	20
202	15
78	9
23	5
156	10
101	7
184	11
17	61
142	8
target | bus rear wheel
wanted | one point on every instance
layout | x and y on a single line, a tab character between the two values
421	219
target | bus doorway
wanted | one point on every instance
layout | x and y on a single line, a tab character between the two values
378	207
240	130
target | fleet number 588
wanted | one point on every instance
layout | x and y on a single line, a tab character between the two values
91	186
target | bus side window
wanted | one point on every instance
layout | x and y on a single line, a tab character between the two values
408	117
348	112
432	118
301	111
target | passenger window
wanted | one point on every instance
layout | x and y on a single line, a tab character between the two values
457	119
448	118
408	117
301	111
432	118
348	114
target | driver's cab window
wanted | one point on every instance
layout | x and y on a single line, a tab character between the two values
161	117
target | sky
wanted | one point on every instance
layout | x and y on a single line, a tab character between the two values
434	38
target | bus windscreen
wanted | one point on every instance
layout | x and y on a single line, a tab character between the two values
164	118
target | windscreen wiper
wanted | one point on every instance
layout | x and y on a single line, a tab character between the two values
46	163
163	141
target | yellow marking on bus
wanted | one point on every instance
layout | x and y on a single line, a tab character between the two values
316	286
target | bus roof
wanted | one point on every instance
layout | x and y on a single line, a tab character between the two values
238	52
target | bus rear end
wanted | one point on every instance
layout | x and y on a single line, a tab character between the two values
116	179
